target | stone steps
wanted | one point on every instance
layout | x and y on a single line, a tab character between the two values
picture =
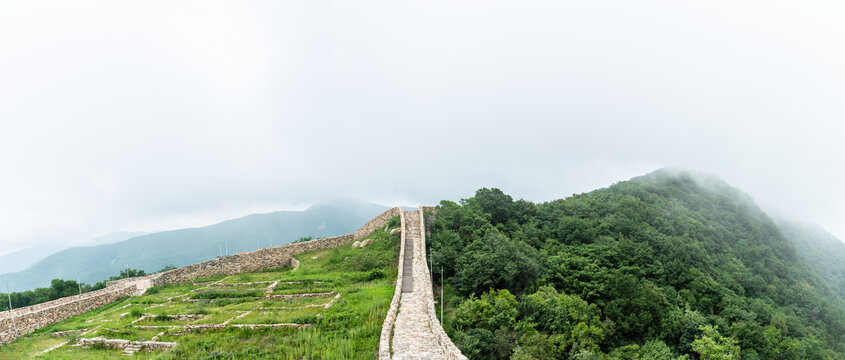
412	335
130	349
408	264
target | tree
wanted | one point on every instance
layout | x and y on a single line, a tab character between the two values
713	346
498	206
496	262
128	273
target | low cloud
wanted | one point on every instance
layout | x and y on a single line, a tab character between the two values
123	117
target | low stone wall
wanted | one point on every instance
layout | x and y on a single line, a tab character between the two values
25	320
122	344
267	258
449	349
390	319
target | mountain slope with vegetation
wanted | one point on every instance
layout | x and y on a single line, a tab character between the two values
331	306
189	246
821	250
24	258
665	266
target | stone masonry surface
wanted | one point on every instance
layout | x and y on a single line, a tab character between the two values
19	322
417	333
390	319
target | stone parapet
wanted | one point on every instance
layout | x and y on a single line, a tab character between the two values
390	319
376	223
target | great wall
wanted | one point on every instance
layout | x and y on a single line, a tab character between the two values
410	330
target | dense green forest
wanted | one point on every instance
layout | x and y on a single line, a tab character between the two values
665	266
823	252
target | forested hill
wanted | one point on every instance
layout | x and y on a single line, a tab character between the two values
663	266
822	251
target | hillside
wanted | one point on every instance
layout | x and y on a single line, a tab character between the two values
822	251
664	266
188	246
330	306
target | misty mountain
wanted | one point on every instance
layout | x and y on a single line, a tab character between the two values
642	268
823	252
188	246
24	258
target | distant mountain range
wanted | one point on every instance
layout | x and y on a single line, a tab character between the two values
24	258
152	252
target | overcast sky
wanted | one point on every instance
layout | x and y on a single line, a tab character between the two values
162	114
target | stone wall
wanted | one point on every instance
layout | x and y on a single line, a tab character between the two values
390	319
267	258
19	322
449	349
377	222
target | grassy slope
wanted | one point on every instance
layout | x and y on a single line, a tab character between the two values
349	329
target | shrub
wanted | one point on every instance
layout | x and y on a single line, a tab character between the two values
375	274
136	312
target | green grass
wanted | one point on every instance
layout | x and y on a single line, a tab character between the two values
350	329
226	293
280	316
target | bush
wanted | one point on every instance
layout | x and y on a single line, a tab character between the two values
375	274
136	312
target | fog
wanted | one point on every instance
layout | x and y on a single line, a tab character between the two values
157	115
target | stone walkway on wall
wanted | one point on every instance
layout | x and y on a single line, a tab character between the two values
412	335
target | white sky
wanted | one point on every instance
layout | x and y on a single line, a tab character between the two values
161	114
